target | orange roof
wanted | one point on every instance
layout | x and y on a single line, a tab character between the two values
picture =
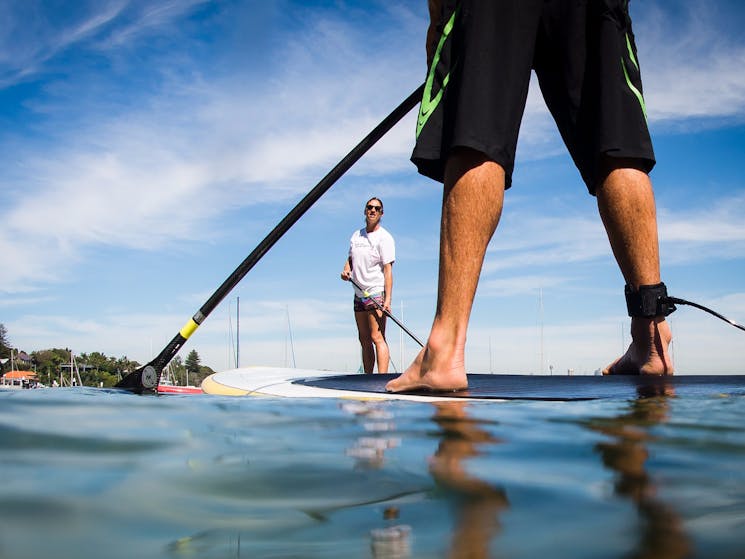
20	374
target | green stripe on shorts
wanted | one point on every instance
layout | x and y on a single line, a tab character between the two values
633	89
429	103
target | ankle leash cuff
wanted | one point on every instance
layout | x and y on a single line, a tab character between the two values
648	301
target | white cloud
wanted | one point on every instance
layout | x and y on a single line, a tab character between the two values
531	239
705	232
688	64
161	173
147	17
518	285
29	36
146	178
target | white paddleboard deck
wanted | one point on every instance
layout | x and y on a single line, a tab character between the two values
309	383
281	382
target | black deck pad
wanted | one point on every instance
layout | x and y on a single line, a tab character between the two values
541	387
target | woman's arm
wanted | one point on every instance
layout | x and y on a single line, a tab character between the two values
346	272
388	283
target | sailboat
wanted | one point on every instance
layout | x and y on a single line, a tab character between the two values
167	383
168	386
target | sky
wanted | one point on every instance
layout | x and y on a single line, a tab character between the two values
148	146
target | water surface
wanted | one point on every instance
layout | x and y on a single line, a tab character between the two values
96	473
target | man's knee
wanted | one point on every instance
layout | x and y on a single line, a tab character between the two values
624	168
463	159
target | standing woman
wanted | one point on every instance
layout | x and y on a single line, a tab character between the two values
370	263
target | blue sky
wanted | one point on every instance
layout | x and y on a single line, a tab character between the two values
147	147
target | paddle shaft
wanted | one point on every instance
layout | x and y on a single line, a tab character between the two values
382	308
135	381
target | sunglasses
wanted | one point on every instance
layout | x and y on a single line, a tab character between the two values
370	207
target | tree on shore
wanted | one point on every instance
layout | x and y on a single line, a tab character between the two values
193	366
97	369
193	362
49	362
4	342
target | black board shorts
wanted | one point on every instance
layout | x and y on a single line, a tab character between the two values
584	55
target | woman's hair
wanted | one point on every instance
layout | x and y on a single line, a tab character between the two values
375	198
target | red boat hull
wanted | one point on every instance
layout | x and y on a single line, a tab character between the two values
167	389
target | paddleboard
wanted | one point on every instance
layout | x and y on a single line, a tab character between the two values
295	383
309	383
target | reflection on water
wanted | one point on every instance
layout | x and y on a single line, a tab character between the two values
477	502
88	473
369	450
392	541
661	531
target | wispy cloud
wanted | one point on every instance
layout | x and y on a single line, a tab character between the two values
29	37
688	63
539	240
533	240
145	17
161	172
518	285
705	233
164	170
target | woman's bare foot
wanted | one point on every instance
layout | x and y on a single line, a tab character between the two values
648	353
433	370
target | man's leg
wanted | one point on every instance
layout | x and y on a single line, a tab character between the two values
472	205
627	208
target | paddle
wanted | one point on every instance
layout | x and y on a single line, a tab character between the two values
146	378
366	294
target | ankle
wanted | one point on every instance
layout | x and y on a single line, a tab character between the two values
445	337
650	331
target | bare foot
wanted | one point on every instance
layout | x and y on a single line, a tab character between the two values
648	353
433	371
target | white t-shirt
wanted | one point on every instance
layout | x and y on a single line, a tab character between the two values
370	252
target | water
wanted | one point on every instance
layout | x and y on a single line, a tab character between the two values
95	473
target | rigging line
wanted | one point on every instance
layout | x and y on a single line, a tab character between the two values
292	344
390	358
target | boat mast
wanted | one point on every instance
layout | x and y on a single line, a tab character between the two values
401	340
237	332
540	310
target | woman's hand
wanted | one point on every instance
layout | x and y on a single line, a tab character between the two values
387	305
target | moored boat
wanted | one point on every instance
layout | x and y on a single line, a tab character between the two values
174	389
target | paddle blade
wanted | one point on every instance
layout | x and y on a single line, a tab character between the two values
144	379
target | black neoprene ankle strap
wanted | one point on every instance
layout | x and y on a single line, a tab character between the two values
648	301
